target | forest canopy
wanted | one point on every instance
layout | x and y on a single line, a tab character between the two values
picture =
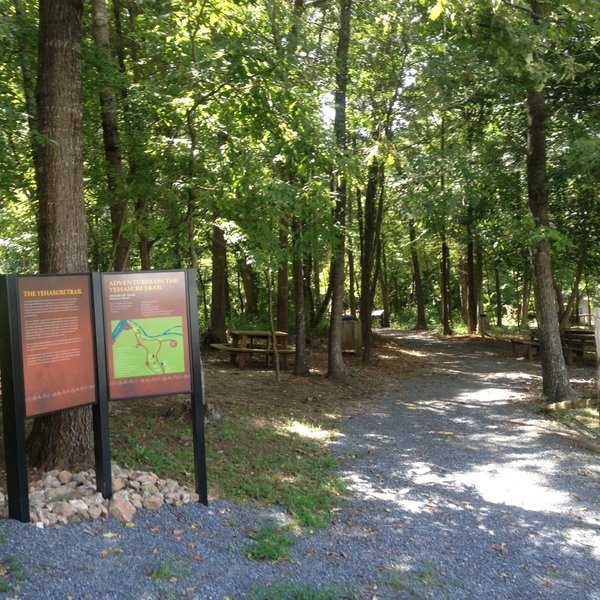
210	141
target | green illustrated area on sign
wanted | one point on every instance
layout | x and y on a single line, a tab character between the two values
146	347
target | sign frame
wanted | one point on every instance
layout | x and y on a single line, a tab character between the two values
14	382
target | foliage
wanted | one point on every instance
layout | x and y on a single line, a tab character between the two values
224	113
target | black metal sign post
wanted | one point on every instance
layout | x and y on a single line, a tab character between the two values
100	409
197	397
13	401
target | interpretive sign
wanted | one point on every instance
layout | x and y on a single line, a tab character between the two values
146	321
71	340
57	342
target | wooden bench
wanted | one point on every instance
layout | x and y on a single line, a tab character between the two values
575	342
530	346
578	342
238	355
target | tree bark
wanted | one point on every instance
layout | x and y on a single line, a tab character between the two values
218	300
283	313
445	288
417	280
300	367
566	314
498	294
337	369
112	140
62	440
367	258
556	384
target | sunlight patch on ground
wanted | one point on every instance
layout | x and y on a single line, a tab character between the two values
372	490
510	486
308	431
513	376
585	537
489	395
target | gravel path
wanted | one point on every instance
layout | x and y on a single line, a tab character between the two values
459	490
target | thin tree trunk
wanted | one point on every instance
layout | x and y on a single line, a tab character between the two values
283	316
417	280
445	289
300	367
367	259
566	314
218	301
499	308
112	140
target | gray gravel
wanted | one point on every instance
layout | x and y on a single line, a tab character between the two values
459	490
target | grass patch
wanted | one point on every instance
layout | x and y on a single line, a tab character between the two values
166	571
270	543
267	459
584	421
294	591
10	570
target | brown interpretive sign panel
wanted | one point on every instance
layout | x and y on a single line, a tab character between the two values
57	342
147	333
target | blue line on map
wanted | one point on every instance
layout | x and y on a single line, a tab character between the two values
124	324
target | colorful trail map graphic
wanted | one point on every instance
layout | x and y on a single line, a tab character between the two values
146	347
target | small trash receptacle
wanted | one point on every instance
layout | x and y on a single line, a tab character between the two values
351	334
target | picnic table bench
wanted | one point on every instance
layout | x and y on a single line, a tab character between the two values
246	343
575	342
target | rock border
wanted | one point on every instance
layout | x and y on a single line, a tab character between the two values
62	497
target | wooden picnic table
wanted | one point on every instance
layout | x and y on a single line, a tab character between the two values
246	342
575	341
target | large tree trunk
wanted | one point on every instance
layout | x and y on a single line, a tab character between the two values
555	378
63	439
218	301
337	369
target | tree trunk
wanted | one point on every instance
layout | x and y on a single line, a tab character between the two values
62	440
337	369
283	313
367	258
566	315
498	294
250	288
112	140
445	288
351	268
218	300
556	384
383	278
300	367
526	298
417	280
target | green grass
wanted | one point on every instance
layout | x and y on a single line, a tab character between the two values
165	571
270	543
267	460
280	590
10	570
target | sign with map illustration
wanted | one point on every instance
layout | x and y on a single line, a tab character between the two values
146	317
57	342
